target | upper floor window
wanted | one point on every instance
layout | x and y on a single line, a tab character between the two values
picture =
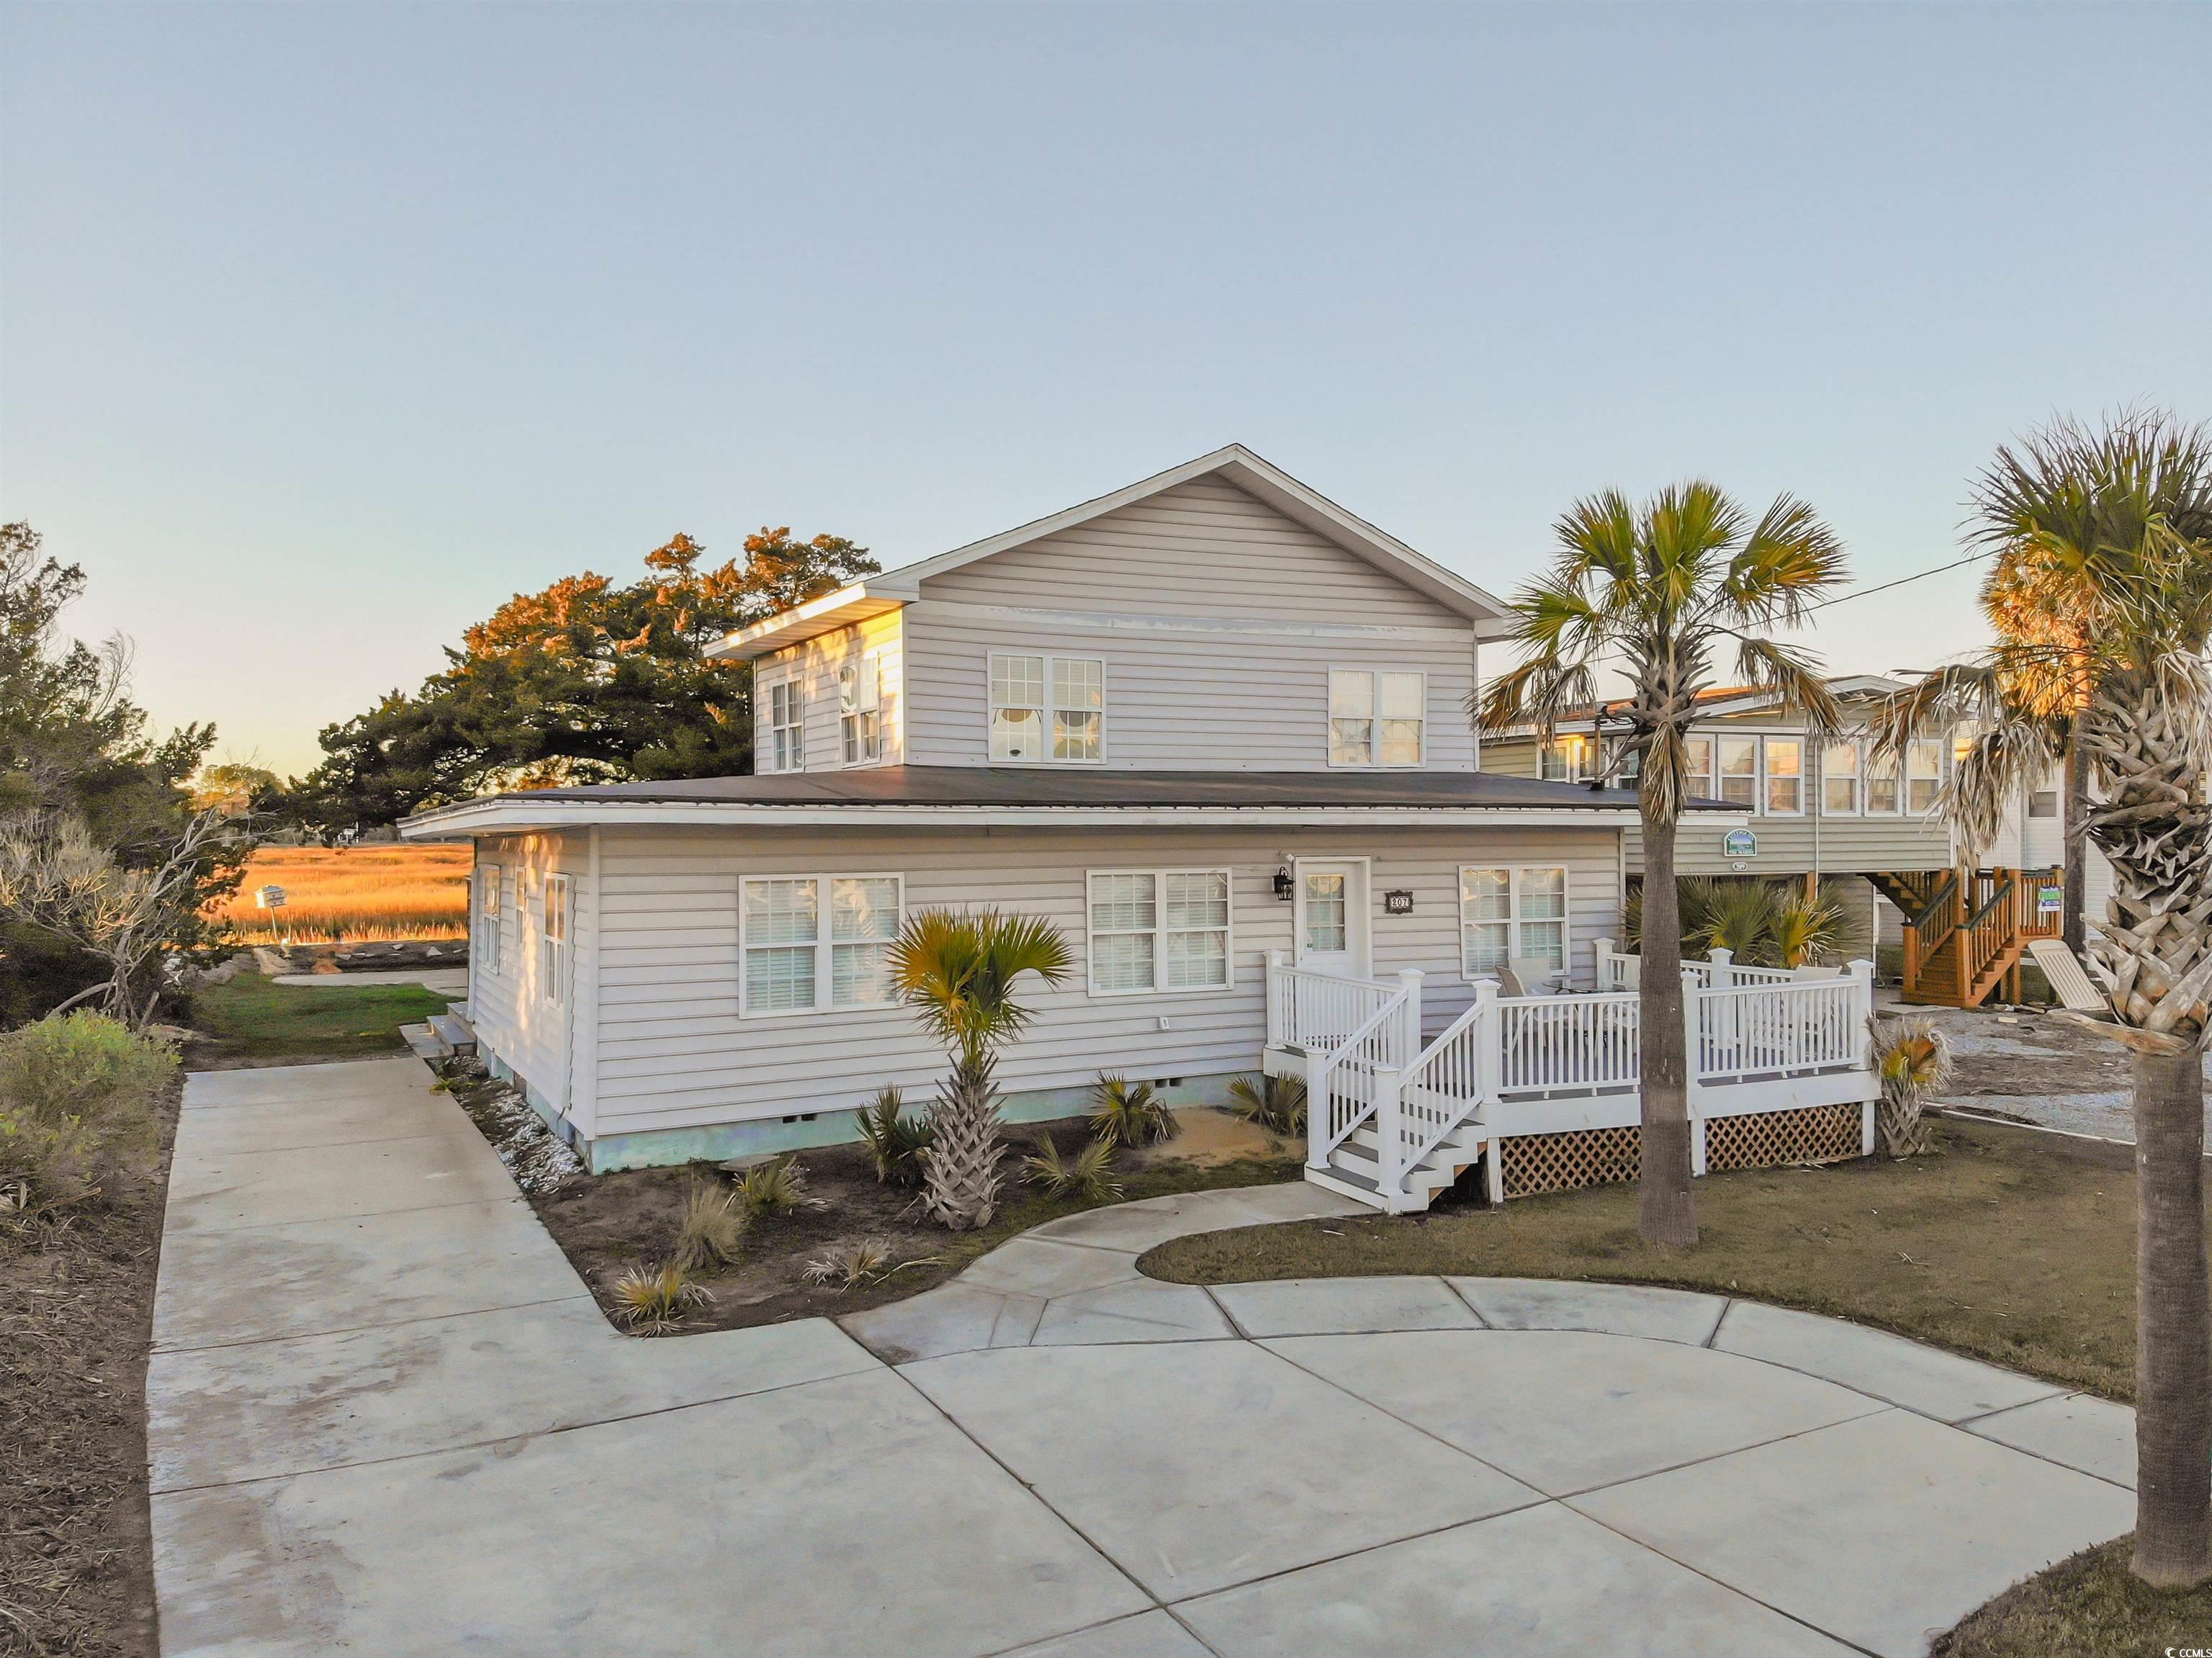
553	941
1839	780
786	727
1739	769
859	694
1568	759
1881	783
1785	776
795	962
489	877
1047	708
1377	717
1506	915
1923	775
2043	803
1159	931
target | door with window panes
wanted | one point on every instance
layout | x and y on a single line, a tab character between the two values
1332	918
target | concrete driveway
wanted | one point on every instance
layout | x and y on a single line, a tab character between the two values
386	1418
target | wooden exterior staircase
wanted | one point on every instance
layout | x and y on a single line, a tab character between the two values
1967	931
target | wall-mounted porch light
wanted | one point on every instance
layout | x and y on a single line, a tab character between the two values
1284	885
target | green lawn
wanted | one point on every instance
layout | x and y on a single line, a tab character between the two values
252	1018
2007	1245
2089	1606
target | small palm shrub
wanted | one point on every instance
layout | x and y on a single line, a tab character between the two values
774	1188
79	1100
1126	1113
1088	1175
713	1230
1912	1062
894	1141
654	1301
1277	1104
849	1266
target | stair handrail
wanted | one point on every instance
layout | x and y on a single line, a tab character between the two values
1419	1136
1323	1135
1936	900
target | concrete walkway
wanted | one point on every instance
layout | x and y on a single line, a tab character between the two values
386	1417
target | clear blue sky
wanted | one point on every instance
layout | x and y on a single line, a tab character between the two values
324	328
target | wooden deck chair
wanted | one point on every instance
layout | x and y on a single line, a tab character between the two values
2077	991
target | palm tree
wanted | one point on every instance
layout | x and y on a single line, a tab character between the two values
2117	525
1667	585
958	971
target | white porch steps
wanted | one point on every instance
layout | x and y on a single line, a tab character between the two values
1353	1170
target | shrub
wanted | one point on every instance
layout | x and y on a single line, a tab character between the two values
653	1302
849	1266
774	1188
894	1141
1277	1104
79	1099
1911	1060
1126	1113
713	1229
1088	1174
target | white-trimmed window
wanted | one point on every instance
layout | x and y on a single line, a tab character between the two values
1923	775
1567	759
1882	790
859	697
1376	716
1839	780
1739	769
553	940
2043	803
1509	913
1047	708
814	942
785	750
1698	768
1785	776
1158	930
489	877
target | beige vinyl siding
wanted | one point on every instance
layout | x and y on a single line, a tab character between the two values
1510	756
815	665
1787	846
1178	698
1202	548
512	1018
674	1053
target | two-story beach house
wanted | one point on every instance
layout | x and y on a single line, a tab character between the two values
1211	725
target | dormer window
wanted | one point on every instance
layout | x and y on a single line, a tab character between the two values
1377	717
1048	708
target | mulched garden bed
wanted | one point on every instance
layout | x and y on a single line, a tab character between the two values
608	1224
76	1312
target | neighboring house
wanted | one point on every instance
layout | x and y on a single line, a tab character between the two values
1212	725
1837	811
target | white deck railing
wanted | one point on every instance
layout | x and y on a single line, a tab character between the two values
1520	1056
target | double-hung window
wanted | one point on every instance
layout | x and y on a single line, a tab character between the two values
1377	717
786	727
1739	769
813	942
1923	775
1159	930
1698	768
1047	708
488	878
859	694
1881	781
1839	780
553	941
1785	776
1505	914
1568	759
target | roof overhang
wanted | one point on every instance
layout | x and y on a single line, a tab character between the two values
516	814
1489	615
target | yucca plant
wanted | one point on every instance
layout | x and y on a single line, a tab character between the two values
1277	1104
713	1230
847	1266
774	1188
653	1301
1126	1113
1912	1062
2109	533
957	972
1665	587
895	1140
1088	1174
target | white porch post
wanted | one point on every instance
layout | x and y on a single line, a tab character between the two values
1275	1035
1409	986
1723	973
1693	1010
1316	1110
1388	1147
1601	965
1488	1073
1861	973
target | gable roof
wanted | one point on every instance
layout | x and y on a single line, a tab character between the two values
1260	478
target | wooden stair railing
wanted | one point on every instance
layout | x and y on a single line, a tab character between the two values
1970	935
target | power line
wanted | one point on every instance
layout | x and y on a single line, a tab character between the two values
1862	593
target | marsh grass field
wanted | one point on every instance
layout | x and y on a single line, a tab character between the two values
360	894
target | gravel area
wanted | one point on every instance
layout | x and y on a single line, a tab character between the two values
2030	1067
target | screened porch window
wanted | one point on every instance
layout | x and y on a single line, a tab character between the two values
799	958
1164	930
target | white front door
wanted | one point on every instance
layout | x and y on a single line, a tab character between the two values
1332	918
